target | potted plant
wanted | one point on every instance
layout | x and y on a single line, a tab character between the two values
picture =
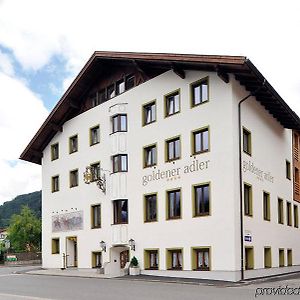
134	268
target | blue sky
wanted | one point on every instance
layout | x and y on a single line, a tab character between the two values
44	44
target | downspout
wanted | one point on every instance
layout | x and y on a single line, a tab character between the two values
241	177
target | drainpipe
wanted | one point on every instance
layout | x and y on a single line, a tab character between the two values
241	177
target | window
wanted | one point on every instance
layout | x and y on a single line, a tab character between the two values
151	208
73	144
95	169
119	123
266	206
96	216
173	149
201	200
120	211
150	156
174	259
199	91
129	82
173	204
54	151
151	259
55	246
280	211
200	141
289	213
73	178
172	104
120	87
296	220
55	184
267	257
201	260
289	257
120	163
96	259
246	141
111	91
149	113
94	135
248	200
98	98
249	258
281	257
288	169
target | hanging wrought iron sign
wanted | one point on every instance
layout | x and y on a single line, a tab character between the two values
90	176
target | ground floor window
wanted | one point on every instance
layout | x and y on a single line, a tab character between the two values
151	259
289	257
96	259
201	259
281	257
174	259
267	257
55	246
249	258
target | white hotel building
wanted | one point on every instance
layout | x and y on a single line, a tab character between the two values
200	158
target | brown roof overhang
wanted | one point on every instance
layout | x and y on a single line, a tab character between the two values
241	67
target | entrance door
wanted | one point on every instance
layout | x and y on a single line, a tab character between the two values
71	251
124	258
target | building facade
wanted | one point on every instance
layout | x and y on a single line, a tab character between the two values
186	162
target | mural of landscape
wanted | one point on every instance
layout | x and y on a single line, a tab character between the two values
67	222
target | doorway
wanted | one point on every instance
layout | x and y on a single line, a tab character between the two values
124	258
71	251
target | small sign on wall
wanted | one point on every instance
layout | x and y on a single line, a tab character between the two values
248	237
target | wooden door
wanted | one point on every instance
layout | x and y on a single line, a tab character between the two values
124	258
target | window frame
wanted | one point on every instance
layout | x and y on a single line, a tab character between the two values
151	146
168	192
289	256
119	123
250	214
71	173
54	188
280	209
193	140
296	215
251	261
91	135
170	140
195	258
267	207
70	143
289	220
94	259
92	165
144	115
116	220
93	221
54	156
267	257
166	103
194	84
247	150
169	258
147	258
146	219
194	187
55	245
119	169
281	257
288	170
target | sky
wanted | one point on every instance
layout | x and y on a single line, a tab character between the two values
44	44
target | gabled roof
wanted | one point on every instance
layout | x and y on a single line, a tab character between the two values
242	68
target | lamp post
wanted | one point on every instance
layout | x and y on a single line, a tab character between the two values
131	243
103	246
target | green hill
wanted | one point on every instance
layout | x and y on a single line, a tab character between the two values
32	200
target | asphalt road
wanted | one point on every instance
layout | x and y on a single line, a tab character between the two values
40	287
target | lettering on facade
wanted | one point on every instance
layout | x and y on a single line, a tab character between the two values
175	173
67	222
261	175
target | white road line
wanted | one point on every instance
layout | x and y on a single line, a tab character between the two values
6	296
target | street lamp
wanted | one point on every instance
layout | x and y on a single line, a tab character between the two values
103	246
131	243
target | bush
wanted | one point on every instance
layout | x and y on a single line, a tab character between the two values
134	262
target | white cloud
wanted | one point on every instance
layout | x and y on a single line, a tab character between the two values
6	65
21	114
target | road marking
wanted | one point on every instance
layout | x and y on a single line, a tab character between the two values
22	297
12	274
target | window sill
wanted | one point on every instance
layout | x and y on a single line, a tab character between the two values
202	215
200	152
119	131
150	221
150	269
94	144
150	166
170	115
120	223
172	160
248	153
175	218
96	227
145	124
198	104
205	270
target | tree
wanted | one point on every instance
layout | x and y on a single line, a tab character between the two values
24	231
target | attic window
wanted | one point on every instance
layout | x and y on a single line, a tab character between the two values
120	87
129	82
111	91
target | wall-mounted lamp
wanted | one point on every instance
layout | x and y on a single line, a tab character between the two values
131	243
103	246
